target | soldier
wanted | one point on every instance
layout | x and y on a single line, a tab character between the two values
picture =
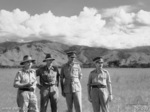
49	81
25	81
70	83
99	87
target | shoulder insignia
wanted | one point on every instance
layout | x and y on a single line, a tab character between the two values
20	71
106	71
55	68
64	65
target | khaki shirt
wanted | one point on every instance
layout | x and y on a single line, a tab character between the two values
72	75
48	76
26	77
99	78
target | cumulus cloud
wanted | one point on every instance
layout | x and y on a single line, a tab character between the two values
143	17
118	27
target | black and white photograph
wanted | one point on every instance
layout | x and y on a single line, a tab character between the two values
75	55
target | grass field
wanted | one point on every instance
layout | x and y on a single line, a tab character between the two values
127	85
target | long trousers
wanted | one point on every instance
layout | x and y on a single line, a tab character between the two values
99	98
49	93
74	98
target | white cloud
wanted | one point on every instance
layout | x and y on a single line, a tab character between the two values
143	17
110	12
13	22
119	16
113	28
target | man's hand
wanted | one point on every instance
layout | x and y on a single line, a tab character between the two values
110	97
39	85
90	99
29	84
63	94
31	88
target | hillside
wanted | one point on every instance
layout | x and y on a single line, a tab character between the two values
11	53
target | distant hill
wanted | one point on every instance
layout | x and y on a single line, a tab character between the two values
11	53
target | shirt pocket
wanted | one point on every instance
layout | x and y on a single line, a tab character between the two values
75	72
103	76
25	78
76	86
44	75
32	78
52	76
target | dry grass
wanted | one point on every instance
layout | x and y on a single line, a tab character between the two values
127	84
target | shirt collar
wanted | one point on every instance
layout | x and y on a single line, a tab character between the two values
71	63
51	68
27	71
97	72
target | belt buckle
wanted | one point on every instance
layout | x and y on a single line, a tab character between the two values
27	89
101	86
31	89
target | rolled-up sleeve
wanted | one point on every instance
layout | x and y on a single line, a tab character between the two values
89	79
80	72
38	72
62	73
108	77
17	77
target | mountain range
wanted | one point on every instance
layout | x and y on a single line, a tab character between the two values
11	54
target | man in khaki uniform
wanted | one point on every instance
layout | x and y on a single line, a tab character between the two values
49	81
70	83
99	87
25	81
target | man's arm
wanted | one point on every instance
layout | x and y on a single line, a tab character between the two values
80	73
35	80
109	86
58	75
18	84
38	73
89	87
62	81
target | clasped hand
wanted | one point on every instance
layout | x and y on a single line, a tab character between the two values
29	84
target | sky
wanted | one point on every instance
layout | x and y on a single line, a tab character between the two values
95	23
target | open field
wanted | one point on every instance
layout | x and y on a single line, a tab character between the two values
127	84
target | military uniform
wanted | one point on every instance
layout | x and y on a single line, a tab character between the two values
49	79
99	93
71	73
26	97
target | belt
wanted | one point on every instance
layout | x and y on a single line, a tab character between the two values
48	85
98	86
27	89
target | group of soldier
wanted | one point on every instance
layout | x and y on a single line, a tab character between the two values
98	86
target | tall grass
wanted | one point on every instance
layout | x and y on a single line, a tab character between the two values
127	84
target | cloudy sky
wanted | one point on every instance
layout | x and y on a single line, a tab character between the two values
98	23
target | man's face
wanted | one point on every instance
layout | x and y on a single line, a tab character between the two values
49	62
71	59
28	64
99	64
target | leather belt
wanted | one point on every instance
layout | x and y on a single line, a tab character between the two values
27	89
48	85
98	86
